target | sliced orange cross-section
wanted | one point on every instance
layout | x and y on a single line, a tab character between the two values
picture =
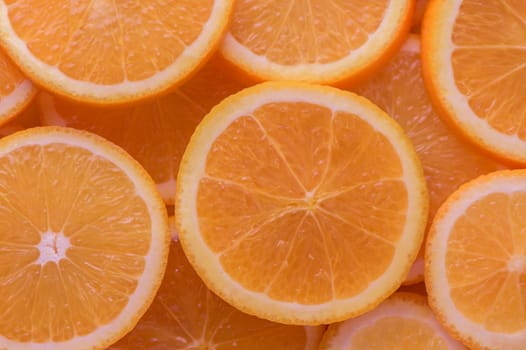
402	322
300	203
476	262
317	41
474	65
111	52
187	315
84	240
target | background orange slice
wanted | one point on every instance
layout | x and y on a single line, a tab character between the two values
300	203
187	315
84	240
402	322
109	52
154	133
16	91
447	160
320	41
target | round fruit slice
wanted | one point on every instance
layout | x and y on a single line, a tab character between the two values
320	41
300	203
111	52
28	118
154	133
474	65
476	262
404	321
187	315
447	160
16	91
84	240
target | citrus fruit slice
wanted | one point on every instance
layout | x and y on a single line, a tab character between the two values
16	91
28	118
404	321
300	203
474	65
154	133
447	160
187	315
476	262
111	52
317	41
84	240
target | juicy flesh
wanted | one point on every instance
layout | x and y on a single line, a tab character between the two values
398	333
10	75
72	241
154	133
490	37
300	192
134	40
448	162
187	315
305	31
486	262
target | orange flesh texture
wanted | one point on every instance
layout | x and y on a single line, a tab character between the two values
154	133
305	188
490	37
486	262
10	75
134	41
397	333
187	315
65	191
448	161
305	32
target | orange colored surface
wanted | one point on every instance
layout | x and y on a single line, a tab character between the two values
187	315
154	133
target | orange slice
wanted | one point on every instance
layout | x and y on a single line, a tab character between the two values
476	262
447	160
402	322
154	133
28	118
16	91
300	203
111	52
187	315
84	240
474	65
320	41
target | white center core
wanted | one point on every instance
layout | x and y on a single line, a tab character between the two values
517	263
52	247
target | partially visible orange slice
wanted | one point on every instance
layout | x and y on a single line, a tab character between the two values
476	262
402	322
474	65
28	118
300	203
84	240
187	315
111	52
448	161
154	133
318	41
16	91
